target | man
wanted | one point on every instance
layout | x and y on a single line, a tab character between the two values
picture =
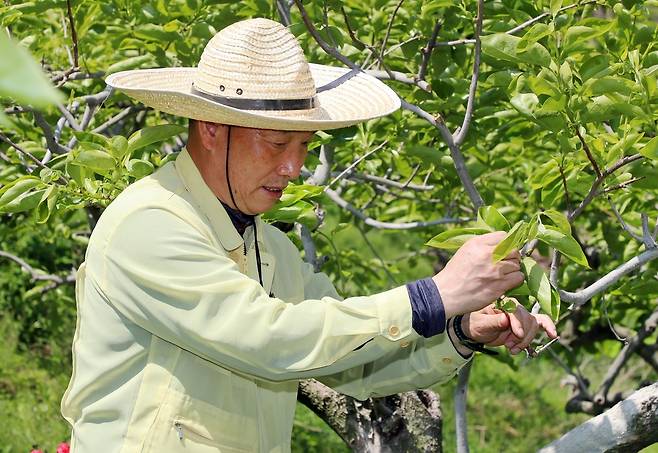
196	320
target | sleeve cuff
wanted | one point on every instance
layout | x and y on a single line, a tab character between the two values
428	313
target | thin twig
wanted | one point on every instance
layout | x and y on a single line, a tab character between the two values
69	117
647	329
389	182
460	135
566	190
647	239
519	27
314	33
391	279
355	163
8	141
428	49
116	118
588	152
390	25
594	189
336	198
624	225
74	35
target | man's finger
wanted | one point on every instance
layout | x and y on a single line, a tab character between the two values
531	327
493	238
514	255
515	325
507	267
547	324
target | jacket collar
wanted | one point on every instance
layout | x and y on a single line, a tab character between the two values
208	202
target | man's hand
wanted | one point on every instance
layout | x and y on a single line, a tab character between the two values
516	330
471	280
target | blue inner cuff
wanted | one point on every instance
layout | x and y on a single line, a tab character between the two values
428	316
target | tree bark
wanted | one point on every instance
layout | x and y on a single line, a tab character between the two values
409	422
627	427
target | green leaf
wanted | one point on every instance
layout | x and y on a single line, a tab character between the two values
560	220
514	239
489	216
21	77
538	284
139	168
118	146
95	159
555	7
607	85
139	61
502	46
296	192
564	243
47	203
453	239
525	103
555	304
24	202
536	32
536	54
17	187
597	66
153	134
650	149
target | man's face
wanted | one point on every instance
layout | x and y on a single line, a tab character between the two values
261	163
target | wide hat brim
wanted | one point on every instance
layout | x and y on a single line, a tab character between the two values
355	100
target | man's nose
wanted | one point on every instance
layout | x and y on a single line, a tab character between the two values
292	162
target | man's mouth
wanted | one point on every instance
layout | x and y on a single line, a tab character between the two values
274	189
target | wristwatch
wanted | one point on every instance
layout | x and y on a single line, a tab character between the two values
466	340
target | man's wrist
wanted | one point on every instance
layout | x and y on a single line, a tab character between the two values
464	339
459	346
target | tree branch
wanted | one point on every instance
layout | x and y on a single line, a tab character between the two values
400	77
581	297
455	152
461	393
38	275
628	426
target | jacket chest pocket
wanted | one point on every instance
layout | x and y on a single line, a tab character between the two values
188	425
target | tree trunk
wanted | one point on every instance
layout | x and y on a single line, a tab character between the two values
628	426
408	422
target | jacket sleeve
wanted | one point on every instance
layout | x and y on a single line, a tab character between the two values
409	364
168	277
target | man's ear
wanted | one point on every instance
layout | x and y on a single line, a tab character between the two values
209	133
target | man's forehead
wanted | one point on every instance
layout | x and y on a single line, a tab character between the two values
277	133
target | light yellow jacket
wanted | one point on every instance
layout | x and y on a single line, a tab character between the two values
178	347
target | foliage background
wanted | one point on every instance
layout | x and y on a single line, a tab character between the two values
597	77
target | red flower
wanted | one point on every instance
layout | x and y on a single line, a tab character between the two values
63	448
36	451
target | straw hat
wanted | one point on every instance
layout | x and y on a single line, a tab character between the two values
254	74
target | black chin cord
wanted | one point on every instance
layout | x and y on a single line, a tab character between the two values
230	191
